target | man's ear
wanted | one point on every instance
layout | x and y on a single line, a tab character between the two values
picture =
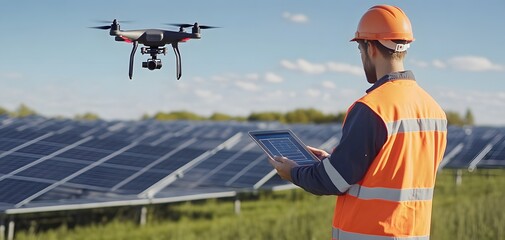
372	50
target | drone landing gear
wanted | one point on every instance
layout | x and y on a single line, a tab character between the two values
135	45
153	62
178	60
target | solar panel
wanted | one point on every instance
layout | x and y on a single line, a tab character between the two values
12	162
496	155
102	176
475	141
14	191
52	169
41	149
6	145
143	181
132	159
84	154
50	162
178	159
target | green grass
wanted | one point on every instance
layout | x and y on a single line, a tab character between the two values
473	210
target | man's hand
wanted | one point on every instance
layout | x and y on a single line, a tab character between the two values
321	154
283	167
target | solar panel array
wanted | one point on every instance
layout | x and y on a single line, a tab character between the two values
47	162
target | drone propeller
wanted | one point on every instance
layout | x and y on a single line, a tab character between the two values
106	27
102	27
108	21
185	25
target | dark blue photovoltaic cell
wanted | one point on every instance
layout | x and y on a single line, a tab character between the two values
216	159
111	145
6	145
84	154
496	156
14	191
468	153
65	138
132	160
143	181
103	176
179	159
40	149
21	135
12	162
150	150
275	181
52	169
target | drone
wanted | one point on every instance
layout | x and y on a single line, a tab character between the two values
154	41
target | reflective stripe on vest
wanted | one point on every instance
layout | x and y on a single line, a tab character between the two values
390	194
338	234
335	177
416	125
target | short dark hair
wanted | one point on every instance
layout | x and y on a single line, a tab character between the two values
386	52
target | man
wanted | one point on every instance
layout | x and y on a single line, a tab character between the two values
393	140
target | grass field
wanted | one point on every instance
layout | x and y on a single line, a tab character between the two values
473	210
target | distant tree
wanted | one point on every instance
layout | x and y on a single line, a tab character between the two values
469	119
453	118
330	118
3	111
266	116
177	115
145	116
297	116
340	117
87	116
23	111
220	117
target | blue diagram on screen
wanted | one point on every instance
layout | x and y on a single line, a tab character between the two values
283	144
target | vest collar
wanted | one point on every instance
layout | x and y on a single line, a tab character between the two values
404	75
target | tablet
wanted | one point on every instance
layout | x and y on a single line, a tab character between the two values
283	143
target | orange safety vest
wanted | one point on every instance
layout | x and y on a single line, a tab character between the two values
394	198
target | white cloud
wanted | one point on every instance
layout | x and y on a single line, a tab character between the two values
12	76
328	85
438	64
220	78
313	92
199	79
288	65
252	76
483	104
345	68
318	68
273	78
462	63
247	86
418	63
304	66
297	18
207	95
474	64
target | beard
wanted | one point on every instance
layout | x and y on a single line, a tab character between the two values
371	74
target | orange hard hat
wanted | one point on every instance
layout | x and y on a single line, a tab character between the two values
384	22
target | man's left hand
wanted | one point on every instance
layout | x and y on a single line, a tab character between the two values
283	167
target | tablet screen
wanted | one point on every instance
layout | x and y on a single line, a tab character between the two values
283	143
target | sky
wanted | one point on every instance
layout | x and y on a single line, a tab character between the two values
267	55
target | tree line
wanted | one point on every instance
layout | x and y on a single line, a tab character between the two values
301	115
